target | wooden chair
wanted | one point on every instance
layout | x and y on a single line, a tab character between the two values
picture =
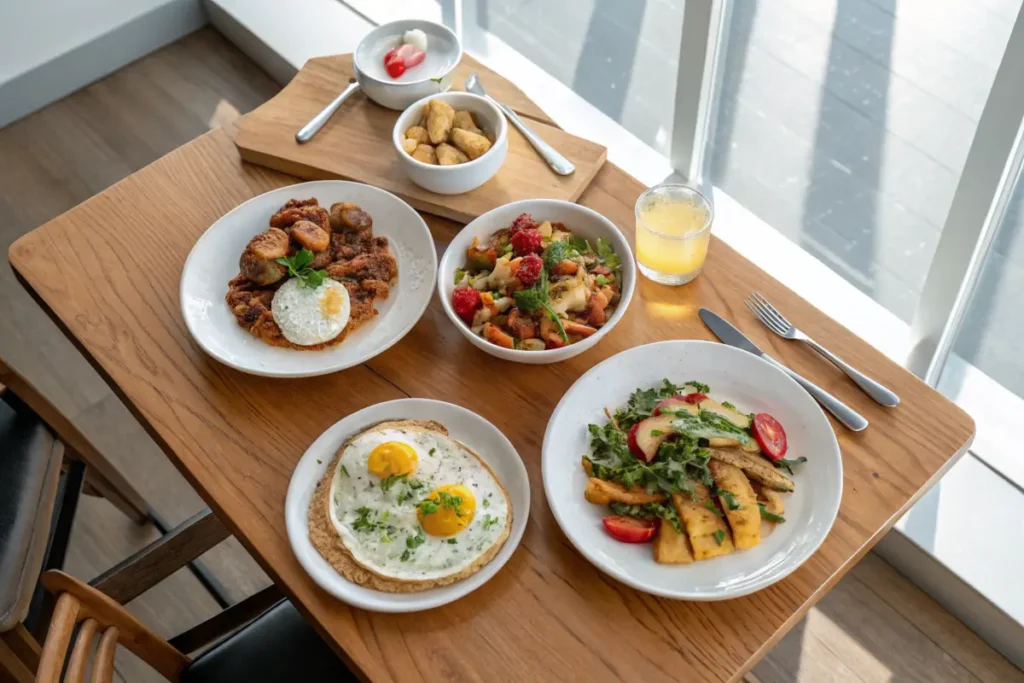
277	646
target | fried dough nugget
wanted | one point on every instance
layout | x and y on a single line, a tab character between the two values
258	263
419	134
409	145
464	120
439	121
310	236
426	154
473	145
450	156
348	216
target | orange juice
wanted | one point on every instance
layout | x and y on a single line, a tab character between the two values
673	228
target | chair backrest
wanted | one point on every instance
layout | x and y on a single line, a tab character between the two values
78	603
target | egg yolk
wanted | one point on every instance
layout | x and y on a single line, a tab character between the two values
391	458
447	510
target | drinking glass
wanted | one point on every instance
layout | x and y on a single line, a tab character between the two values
673	229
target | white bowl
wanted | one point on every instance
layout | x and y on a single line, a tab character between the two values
480	435
460	177
581	221
444	51
734	375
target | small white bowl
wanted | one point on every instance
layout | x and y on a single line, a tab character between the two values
580	221
460	177
444	51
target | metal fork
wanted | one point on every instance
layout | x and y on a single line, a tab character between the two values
778	324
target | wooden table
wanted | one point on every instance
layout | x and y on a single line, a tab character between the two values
108	272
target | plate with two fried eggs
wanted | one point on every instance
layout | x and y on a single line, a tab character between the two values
407	505
308	279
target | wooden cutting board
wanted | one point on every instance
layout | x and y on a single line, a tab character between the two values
356	144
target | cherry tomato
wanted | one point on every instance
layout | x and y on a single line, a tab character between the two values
695	398
395	68
770	435
629	529
634	447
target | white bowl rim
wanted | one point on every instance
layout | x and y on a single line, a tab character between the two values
362	73
620	311
500	136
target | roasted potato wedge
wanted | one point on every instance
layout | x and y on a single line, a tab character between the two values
601	492
756	467
671	547
745	520
709	533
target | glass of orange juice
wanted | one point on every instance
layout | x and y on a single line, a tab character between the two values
673	228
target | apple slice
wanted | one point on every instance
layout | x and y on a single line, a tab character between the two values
675	403
649	434
739	419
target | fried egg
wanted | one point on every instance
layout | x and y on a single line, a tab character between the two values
309	316
413	504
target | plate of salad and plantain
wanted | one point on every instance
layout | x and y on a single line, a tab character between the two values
692	470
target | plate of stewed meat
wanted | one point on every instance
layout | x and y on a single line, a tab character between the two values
308	279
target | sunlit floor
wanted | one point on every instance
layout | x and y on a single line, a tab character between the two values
873	626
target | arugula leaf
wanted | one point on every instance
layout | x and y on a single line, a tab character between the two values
719	536
580	244
699	386
770	516
788	465
641	403
606	254
299	267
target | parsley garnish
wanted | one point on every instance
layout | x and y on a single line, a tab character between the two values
406	554
428	507
487	503
788	465
363	521
719	536
413	542
451	541
432	451
299	267
387	483
489	522
770	516
730	500
451	502
344	470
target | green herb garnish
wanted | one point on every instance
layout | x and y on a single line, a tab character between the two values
452	541
788	465
428	507
710	505
406	554
557	252
388	482
459	274
299	268
451	502
730	500
535	298
649	511
581	245
726	404
413	542
719	536
487	503
344	470
606	254
432	451
770	516
699	386
489	522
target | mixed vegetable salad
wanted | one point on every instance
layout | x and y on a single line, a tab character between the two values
535	286
695	475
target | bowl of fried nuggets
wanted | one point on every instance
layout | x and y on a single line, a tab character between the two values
451	142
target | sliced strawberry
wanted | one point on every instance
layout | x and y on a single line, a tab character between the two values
415	58
390	56
395	68
405	51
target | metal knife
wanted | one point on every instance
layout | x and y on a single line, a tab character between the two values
725	331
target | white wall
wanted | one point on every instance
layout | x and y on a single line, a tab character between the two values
50	48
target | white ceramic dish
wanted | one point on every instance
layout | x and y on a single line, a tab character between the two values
465	426
739	377
581	221
461	177
214	261
443	54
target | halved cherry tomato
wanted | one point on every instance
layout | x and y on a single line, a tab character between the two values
634	447
629	529
695	398
770	435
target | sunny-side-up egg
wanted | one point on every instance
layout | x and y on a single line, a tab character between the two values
308	315
413	504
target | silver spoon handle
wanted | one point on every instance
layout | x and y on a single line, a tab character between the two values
850	418
558	163
872	388
307	132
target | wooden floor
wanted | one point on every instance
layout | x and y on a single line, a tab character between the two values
874	626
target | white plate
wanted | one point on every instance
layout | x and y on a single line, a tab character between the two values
736	376
465	426
214	261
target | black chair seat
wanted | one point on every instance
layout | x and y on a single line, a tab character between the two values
277	646
30	461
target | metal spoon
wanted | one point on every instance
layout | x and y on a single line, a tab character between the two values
307	132
558	163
